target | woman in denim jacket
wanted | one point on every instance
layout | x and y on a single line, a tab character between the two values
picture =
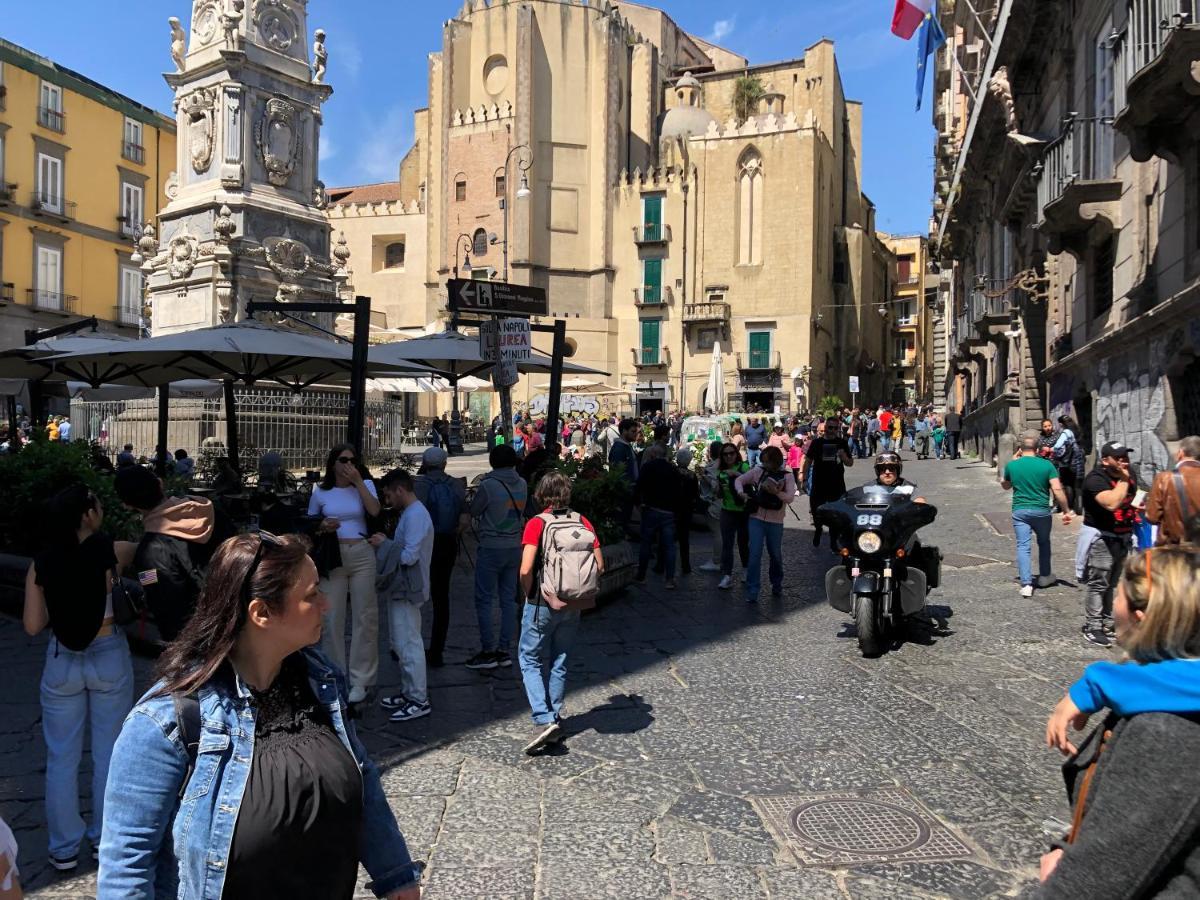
282	799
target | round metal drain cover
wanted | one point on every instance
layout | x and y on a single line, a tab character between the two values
848	825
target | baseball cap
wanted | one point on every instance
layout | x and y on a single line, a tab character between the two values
1115	449
434	456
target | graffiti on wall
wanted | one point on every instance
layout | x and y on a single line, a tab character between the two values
568	403
1130	408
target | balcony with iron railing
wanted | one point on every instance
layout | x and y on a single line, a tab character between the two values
1077	189
652	233
54	119
759	361
135	153
1153	60
1062	347
3	97
51	300
8	193
8	292
127	315
51	206
653	296
697	313
650	357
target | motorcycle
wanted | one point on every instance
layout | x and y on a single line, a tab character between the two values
885	574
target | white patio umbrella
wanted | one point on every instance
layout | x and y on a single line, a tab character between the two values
715	395
27	362
431	385
587	387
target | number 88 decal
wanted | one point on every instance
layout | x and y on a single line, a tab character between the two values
865	519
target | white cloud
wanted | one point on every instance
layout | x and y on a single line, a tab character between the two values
328	149
349	56
382	146
721	29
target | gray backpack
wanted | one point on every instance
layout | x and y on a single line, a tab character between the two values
570	577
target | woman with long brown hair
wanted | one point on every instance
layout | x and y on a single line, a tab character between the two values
239	774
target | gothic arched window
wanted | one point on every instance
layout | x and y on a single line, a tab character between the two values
393	256
479	243
750	208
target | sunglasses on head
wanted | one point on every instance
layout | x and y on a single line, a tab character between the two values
265	539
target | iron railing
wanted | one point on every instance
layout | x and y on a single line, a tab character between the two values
8	292
1150	23
759	361
1083	152
40	299
127	314
49	204
649	356
133	152
652	233
652	295
54	119
8	193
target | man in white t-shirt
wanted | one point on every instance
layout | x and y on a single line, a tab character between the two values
402	581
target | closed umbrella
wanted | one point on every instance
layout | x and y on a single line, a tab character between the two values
715	395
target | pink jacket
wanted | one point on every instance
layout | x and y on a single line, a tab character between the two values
795	455
754	476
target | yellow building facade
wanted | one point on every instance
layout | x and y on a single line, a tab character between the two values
911	312
82	168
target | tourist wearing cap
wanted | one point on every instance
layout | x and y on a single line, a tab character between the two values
1108	519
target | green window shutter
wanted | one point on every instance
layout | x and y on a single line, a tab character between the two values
652	289
760	349
651	346
652	218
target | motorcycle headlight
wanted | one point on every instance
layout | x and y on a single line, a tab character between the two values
869	542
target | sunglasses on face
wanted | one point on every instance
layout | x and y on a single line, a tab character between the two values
888	469
347	459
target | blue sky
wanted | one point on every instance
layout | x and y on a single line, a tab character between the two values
378	67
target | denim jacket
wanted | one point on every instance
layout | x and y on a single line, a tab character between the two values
156	845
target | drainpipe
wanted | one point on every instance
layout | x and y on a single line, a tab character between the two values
683	306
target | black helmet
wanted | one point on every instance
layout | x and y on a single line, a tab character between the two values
888	458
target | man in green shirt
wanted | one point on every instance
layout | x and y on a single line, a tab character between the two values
1032	480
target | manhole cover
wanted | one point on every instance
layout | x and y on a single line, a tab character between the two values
859	827
964	561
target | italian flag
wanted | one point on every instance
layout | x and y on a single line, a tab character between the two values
909	15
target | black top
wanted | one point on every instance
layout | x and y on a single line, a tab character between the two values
659	485
1117	521
298	828
952	421
74	580
829	472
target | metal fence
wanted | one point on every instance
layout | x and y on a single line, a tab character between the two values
1083	152
301	427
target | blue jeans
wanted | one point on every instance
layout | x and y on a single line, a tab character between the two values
952	444
752	455
497	571
1027	523
910	433
95	687
547	635
770	533
885	443
661	524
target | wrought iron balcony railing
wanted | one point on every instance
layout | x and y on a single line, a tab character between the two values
40	299
133	152
54	119
652	233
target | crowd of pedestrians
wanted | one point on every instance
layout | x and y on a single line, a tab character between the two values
257	693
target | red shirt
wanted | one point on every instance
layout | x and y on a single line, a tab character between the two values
885	421
533	531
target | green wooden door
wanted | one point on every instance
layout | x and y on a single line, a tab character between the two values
760	349
651	345
652	210
652	276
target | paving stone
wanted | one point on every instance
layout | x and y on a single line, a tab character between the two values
809	884
718	882
486	849
725	848
599	881
732	814
955	879
462	883
590	840
677	843
406	779
480	814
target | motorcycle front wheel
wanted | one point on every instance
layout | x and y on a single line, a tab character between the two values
868	624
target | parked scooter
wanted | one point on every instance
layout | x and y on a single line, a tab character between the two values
885	573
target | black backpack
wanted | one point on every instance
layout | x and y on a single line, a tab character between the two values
187	720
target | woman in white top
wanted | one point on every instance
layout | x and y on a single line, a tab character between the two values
344	499
88	676
10	882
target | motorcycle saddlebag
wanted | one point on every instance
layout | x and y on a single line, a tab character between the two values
838	589
912	591
929	560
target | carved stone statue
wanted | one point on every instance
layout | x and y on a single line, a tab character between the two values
231	20
178	43
320	197
1000	87
320	57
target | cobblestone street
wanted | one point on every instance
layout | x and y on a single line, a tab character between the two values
718	749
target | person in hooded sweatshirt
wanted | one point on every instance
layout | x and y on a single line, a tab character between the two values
180	538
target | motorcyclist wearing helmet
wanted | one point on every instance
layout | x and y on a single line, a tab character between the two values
889	473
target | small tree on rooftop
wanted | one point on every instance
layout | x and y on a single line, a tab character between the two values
748	92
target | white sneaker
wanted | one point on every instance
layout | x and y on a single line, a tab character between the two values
710	566
725	583
358	694
1027	590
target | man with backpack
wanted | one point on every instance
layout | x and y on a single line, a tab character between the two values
446	500
561	564
179	537
499	508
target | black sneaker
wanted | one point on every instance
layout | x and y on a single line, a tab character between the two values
542	735
411	710
1097	636
65	864
484	659
1110	629
394	702
503	660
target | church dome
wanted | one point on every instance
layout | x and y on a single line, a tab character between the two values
687	118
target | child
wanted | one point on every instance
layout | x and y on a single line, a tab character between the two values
795	456
939	435
561	565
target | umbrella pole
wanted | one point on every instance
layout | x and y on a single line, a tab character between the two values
358	374
454	444
231	429
164	412
556	377
14	438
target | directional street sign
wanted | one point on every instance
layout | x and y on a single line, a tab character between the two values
854	384
496	297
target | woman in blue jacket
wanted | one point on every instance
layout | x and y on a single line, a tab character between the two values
271	793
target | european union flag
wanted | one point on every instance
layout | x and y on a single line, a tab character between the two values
928	41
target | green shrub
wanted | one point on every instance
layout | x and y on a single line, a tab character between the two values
830	405
599	495
37	473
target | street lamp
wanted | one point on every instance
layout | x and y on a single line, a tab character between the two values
466	263
524	163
